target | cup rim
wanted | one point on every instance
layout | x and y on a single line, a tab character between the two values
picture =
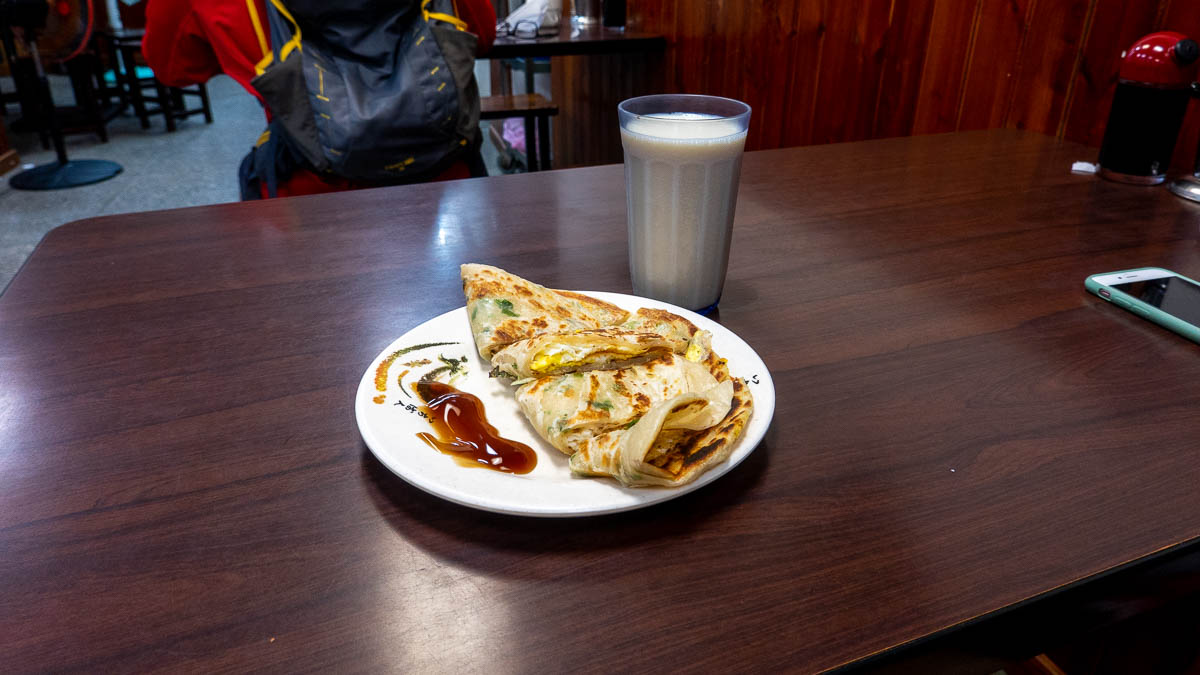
623	106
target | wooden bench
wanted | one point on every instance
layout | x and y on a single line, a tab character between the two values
531	107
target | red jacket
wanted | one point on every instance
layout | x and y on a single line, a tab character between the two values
189	41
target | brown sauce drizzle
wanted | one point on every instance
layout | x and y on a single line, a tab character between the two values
464	433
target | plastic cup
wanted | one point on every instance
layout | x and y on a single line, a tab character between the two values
683	156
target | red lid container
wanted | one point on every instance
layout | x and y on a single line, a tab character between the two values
1165	59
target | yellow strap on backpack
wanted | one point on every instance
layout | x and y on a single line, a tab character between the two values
440	16
294	43
268	55
256	21
258	29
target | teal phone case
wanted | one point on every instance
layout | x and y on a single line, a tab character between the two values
1142	309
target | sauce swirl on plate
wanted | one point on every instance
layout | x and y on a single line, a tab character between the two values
464	433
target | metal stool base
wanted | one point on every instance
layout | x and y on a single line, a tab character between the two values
73	173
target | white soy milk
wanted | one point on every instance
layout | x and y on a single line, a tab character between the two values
681	178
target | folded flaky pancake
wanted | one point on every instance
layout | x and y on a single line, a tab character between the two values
504	308
593	349
567	409
640	398
672	444
674	419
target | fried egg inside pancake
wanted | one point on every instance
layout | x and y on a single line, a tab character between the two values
592	349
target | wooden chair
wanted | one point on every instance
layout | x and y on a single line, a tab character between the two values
533	108
170	102
96	104
7	97
24	75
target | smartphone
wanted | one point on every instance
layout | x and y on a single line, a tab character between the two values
1168	299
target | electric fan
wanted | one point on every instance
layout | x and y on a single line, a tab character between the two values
58	30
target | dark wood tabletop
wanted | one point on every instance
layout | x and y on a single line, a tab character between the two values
962	432
574	40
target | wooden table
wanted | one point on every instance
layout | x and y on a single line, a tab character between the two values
580	103
575	40
966	445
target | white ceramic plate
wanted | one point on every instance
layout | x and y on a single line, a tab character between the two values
390	427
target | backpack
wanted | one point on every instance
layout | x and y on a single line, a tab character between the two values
370	90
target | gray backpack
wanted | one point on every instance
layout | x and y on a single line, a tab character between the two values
371	90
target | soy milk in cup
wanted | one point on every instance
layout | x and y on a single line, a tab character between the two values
683	155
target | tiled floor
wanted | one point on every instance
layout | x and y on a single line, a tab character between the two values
195	165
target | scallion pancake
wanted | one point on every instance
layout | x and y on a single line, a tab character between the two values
504	308
660	321
567	409
642	398
672	444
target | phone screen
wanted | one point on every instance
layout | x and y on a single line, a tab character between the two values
1178	297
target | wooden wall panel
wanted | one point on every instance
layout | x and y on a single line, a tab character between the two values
1184	16
850	71
662	17
804	58
903	56
731	44
587	90
1049	59
947	55
770	25
1116	25
823	71
990	84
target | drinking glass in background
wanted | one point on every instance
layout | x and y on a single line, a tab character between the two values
683	155
585	12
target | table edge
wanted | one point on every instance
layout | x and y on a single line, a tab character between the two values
1116	573
635	42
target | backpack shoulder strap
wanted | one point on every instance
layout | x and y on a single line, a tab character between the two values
256	21
449	18
278	20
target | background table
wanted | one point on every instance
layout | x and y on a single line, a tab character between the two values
576	40
587	113
962	433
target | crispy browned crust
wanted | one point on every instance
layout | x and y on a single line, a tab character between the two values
547	310
683	454
717	366
609	313
686	453
667	317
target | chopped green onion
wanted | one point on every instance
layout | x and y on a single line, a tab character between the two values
506	307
